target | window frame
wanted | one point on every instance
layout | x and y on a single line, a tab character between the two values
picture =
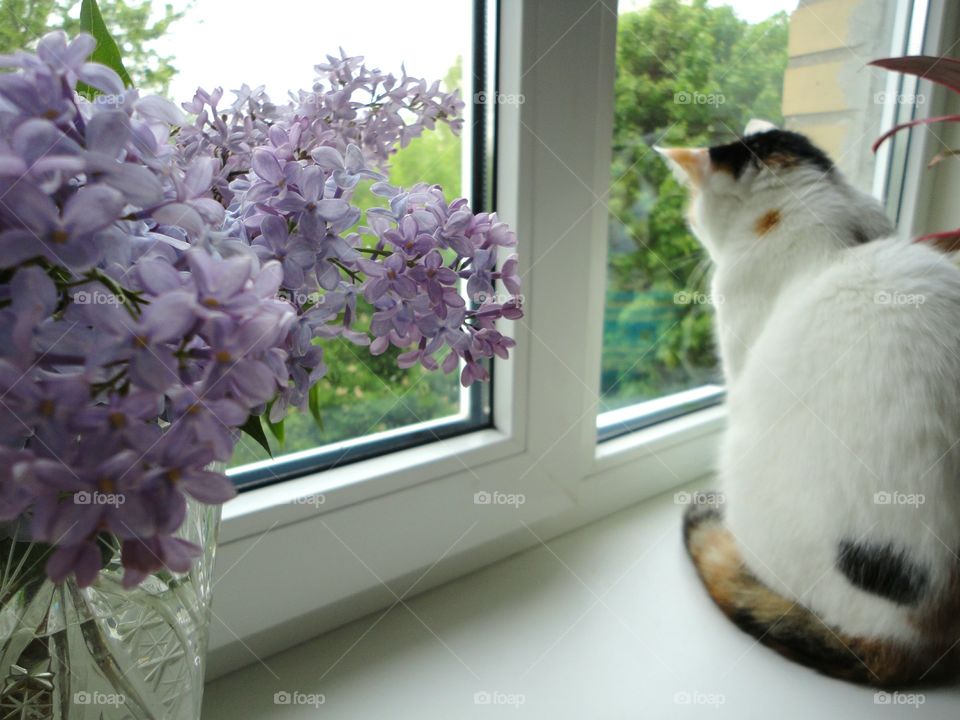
290	567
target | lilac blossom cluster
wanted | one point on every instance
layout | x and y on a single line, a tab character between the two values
165	276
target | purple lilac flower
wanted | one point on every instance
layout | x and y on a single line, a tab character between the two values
144	344
294	253
166	276
38	228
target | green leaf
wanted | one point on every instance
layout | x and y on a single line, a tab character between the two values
276	428
106	53
254	428
314	404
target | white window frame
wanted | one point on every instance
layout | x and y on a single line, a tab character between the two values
290	567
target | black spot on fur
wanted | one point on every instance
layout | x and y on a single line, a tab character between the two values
774	147
882	570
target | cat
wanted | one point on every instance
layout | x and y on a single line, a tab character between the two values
836	534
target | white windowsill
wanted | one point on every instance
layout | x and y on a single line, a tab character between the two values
413	514
608	621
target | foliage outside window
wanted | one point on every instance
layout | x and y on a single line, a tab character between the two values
687	74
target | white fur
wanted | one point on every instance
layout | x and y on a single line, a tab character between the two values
834	395
756	125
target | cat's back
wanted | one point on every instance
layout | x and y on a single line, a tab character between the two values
864	358
883	302
891	265
886	302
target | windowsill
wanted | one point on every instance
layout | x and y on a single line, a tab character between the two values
270	597
606	621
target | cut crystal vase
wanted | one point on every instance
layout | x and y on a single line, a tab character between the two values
103	652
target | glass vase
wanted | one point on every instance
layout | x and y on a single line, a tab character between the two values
102	652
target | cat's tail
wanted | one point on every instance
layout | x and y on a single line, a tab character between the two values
788	627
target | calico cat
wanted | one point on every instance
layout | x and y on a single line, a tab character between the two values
835	540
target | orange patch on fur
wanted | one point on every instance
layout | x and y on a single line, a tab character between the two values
767	222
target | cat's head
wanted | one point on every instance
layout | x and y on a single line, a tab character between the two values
771	185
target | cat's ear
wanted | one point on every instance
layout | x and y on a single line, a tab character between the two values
689	165
756	125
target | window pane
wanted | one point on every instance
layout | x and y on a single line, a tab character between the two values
693	74
361	395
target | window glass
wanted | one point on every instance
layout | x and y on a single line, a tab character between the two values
693	74
361	395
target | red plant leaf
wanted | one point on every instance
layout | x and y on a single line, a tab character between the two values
948	241
913	123
942	70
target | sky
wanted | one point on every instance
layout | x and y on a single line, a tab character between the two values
277	42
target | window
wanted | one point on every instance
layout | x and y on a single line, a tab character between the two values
552	172
367	405
694	74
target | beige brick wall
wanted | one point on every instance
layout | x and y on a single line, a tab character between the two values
820	28
832	96
828	91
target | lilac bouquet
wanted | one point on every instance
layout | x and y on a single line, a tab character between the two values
166	276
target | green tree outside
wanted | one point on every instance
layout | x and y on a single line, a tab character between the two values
23	22
687	75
